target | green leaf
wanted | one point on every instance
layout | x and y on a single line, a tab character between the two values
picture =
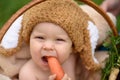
113	61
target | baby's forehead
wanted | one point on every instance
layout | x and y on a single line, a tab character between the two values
48	27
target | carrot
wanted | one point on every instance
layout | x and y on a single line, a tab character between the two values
55	67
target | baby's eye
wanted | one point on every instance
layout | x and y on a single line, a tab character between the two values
40	37
59	39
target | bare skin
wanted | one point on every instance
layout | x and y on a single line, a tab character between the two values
48	39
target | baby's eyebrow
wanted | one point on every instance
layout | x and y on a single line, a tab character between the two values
63	36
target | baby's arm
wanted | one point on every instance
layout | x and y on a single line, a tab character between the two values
26	73
65	77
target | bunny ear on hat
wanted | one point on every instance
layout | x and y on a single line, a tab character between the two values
10	36
11	40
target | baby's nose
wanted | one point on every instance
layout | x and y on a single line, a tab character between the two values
49	45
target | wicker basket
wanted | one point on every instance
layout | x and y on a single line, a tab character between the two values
34	2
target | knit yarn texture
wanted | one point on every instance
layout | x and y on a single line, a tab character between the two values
68	15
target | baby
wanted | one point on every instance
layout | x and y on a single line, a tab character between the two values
48	39
61	29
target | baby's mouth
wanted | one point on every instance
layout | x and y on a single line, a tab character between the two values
45	54
44	59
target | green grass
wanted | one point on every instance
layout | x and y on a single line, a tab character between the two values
9	7
118	23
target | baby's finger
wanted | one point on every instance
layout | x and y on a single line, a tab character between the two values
66	77
52	77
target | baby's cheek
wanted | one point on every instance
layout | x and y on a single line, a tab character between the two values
63	52
63	56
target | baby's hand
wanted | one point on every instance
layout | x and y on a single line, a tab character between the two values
65	77
52	77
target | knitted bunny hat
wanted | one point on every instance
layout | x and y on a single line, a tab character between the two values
70	17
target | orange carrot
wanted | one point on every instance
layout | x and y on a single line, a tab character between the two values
55	67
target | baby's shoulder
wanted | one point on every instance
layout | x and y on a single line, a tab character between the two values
26	72
27	67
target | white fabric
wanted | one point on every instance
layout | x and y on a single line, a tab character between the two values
94	36
10	39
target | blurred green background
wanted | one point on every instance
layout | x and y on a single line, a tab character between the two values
9	7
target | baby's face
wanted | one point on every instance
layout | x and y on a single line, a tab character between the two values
48	39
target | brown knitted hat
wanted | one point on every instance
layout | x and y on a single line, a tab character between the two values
65	13
70	17
61	12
